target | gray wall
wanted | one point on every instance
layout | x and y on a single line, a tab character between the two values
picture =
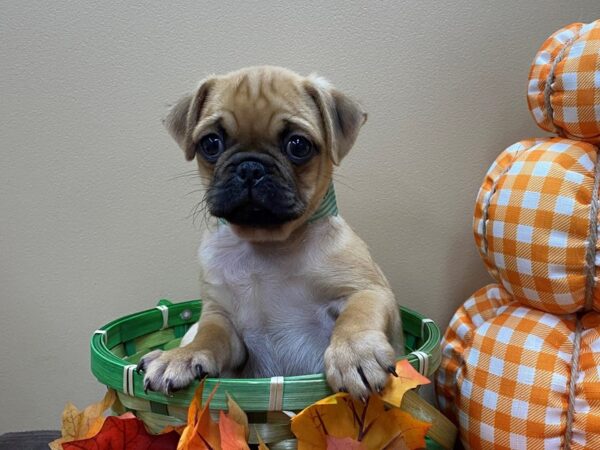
94	225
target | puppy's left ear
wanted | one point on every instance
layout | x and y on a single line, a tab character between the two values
342	116
185	114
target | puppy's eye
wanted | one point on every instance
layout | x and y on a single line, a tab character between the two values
211	146
298	149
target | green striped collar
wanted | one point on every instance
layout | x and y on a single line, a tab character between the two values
328	207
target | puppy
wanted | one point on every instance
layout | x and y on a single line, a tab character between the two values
284	292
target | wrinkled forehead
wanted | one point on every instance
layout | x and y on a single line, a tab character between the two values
257	105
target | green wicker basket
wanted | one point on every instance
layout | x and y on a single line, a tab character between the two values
118	346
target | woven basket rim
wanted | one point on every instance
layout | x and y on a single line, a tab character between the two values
252	394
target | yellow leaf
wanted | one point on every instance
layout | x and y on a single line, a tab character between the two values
332	399
339	420
329	416
408	378
78	425
399	430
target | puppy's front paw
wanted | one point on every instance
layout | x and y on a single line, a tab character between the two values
175	369
359	364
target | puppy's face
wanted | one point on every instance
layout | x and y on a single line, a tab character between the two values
265	140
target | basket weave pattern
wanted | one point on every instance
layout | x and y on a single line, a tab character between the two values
118	346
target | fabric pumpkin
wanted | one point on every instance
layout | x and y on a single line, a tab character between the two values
564	83
506	370
521	358
532	222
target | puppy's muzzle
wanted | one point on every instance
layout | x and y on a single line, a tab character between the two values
254	189
250	172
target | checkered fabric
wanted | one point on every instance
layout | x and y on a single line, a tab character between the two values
566	74
505	373
532	219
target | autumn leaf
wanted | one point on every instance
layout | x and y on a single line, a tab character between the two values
329	416
334	443
129	433
233	435
201	432
236	414
83	424
396	429
408	378
327	422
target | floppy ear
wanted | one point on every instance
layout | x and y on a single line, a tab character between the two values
184	115
342	116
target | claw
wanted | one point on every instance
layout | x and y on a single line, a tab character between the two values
200	374
392	370
146	385
364	378
379	389
140	366
169	388
343	389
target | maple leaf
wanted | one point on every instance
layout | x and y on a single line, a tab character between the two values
233	427
233	435
408	378
125	434
396	429
83	424
201	431
236	414
334	443
326	423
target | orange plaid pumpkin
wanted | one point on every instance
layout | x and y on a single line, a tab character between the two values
564	83
532	220
521	358
505	375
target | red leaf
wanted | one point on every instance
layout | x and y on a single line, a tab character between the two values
125	434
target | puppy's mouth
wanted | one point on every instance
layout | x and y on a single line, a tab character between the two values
253	192
251	215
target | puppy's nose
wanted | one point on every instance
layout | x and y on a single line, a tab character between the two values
250	172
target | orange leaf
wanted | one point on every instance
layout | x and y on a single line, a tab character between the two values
83	424
334	443
201	432
129	433
409	433
233	435
236	414
408	378
329	416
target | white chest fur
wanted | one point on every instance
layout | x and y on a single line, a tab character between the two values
271	294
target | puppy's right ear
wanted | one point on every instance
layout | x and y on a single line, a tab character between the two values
185	114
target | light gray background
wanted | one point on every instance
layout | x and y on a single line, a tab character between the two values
92	224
